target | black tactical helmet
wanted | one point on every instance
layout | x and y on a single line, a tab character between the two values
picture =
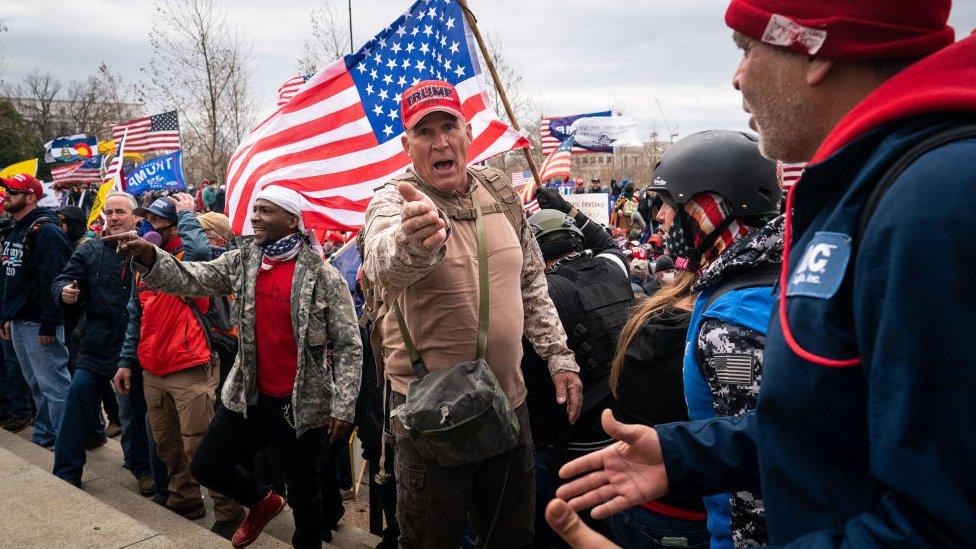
556	233
724	162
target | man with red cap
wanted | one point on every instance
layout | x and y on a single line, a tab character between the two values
863	434
34	253
424	233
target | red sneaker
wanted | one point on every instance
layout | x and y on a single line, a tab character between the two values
257	518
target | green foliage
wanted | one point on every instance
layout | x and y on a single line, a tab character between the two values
17	140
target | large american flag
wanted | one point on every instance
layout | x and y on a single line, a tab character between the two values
159	132
557	164
551	142
291	86
339	137
88	171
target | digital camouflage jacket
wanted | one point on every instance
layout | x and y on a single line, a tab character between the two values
321	312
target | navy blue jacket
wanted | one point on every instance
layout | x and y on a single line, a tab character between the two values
28	278
879	452
105	284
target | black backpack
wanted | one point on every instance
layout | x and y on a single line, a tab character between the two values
221	333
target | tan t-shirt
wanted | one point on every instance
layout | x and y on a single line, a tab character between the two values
441	309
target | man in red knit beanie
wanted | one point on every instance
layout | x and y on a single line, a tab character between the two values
862	436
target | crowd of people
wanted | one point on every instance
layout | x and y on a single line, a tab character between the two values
728	365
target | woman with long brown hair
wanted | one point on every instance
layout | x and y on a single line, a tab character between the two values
686	356
645	377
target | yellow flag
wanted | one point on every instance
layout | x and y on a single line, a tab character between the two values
109	147
106	147
26	166
99	201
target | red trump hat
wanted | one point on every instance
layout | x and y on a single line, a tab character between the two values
426	97
25	182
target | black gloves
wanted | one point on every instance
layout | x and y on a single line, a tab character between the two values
551	199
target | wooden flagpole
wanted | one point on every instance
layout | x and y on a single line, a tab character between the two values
473	23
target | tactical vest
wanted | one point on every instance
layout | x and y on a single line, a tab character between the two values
500	187
601	308
506	201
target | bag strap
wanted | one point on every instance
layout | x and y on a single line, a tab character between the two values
416	361
941	138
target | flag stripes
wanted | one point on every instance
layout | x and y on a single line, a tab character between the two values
337	138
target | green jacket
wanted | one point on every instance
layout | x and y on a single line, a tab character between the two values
321	312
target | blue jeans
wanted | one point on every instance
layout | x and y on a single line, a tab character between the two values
81	421
45	368
138	447
15	401
638	527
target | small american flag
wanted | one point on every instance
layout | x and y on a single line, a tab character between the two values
791	173
521	178
159	132
557	165
89	171
734	368
338	138
291	87
524	185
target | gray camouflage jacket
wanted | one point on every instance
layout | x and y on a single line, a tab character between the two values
321	310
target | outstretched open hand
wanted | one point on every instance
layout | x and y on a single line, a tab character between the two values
622	475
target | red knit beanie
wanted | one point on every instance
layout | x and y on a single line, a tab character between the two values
846	29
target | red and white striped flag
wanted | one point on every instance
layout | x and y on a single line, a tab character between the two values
791	173
291	86
557	164
87	171
113	173
159	132
339	137
525	186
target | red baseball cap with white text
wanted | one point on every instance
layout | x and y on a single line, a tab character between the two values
24	182
426	97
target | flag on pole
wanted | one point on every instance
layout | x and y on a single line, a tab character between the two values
519	179
24	166
291	87
557	164
554	129
70	148
159	132
99	201
114	172
524	185
89	171
339	137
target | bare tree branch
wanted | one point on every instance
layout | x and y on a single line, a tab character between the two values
200	68
329	41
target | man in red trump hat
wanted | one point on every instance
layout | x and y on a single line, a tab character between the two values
424	233
863	434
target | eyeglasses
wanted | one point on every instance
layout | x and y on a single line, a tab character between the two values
15	192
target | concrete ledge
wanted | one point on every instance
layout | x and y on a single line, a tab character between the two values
40	510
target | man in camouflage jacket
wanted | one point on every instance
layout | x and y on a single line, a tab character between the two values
290	306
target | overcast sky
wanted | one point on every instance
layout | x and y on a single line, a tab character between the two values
575	55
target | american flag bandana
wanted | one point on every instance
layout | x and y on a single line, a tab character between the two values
280	251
